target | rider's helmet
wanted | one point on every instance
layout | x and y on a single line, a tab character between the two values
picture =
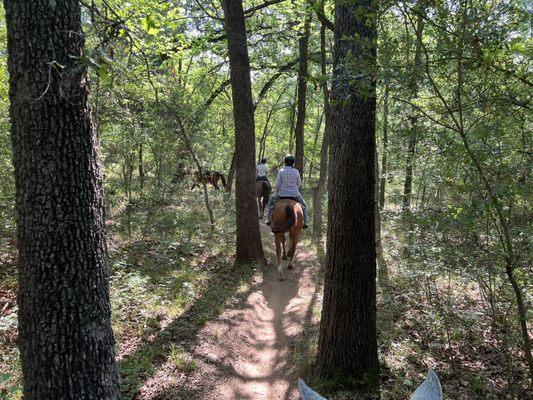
289	160
263	161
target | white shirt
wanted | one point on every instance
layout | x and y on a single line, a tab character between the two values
261	170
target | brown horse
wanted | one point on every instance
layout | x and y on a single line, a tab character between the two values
262	193
212	177
287	217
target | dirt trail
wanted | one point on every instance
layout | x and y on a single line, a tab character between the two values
249	346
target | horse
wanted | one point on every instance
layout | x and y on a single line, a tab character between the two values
262	193
287	218
208	176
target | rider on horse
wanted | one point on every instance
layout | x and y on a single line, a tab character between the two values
261	170
288	185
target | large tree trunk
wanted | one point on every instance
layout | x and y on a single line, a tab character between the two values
66	341
413	90
303	45
324	150
249	247
347	349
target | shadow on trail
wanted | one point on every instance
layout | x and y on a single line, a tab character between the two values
145	361
247	352
277	313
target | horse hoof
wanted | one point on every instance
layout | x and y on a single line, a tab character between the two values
290	266
280	273
284	257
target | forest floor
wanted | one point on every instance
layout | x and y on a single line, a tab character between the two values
247	352
190	324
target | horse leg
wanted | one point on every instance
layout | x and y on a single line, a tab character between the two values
280	239
293	238
283	244
264	204
261	209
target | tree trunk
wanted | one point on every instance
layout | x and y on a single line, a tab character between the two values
141	166
262	141
192	153
383	272
413	89
383	174
408	183
321	184
504	231
347	349
231	174
66	341
127	175
303	45
249	247
292	121
315	142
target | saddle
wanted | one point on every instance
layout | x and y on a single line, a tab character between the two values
289	198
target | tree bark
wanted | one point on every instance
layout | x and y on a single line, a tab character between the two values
249	247
303	45
324	150
66	341
347	349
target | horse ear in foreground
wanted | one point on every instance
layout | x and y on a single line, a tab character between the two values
430	389
308	393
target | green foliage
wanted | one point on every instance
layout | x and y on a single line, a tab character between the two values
450	303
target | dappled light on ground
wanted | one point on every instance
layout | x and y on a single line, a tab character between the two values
253	343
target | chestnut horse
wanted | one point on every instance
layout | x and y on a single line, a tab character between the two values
287	217
262	193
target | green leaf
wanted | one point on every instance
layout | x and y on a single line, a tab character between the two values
150	25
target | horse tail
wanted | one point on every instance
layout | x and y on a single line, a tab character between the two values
222	178
265	189
265	193
289	222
